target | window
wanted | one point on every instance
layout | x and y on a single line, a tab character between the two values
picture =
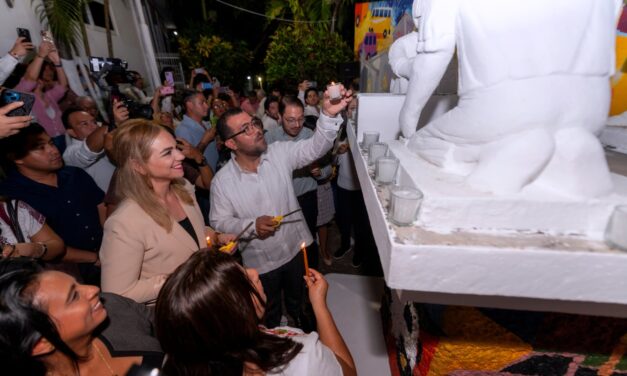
95	15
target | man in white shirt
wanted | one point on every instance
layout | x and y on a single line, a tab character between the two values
255	186
86	143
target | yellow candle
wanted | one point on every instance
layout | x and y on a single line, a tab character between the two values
302	247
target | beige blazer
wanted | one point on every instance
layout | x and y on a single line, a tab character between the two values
136	253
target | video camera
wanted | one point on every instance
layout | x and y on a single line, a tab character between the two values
109	74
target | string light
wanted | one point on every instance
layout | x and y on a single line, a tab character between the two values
265	16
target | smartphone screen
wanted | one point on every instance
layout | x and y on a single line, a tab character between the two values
169	78
207	86
167	90
10	96
25	33
199	70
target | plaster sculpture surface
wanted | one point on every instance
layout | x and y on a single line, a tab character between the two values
401	55
534	92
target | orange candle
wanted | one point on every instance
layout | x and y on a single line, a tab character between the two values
302	247
208	242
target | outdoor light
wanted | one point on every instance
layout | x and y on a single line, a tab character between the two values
248	77
176	33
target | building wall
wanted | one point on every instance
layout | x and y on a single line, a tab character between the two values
126	43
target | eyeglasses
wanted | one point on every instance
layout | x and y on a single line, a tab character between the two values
295	121
248	128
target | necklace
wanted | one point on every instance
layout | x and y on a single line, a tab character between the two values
105	361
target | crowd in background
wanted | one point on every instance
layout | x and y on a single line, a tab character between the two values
200	212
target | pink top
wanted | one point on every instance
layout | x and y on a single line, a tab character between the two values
48	116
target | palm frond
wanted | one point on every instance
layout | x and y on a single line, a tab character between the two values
62	18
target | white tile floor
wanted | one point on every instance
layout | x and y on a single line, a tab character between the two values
355	301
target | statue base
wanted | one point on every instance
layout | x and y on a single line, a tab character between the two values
531	251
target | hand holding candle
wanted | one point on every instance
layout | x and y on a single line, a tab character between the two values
335	99
304	249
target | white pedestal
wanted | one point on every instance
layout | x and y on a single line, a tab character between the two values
530	252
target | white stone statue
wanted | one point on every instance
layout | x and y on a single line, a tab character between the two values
534	92
401	56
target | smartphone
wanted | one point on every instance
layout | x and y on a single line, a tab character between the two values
24	33
313	84
199	70
167	90
223	89
46	35
207	86
9	96
169	78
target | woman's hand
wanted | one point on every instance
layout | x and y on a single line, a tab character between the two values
225	238
318	288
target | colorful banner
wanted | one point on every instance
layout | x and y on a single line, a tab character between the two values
619	81
378	24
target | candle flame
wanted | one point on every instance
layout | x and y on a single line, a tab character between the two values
302	245
208	241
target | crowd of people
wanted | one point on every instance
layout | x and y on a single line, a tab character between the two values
173	205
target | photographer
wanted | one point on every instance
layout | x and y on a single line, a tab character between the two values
87	141
46	79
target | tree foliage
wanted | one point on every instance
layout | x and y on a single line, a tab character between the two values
63	18
229	61
305	52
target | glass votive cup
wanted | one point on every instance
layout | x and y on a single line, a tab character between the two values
376	151
616	230
385	170
369	138
404	205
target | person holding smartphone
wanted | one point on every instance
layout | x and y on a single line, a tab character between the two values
10	60
46	79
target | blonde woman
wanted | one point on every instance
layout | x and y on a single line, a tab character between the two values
158	224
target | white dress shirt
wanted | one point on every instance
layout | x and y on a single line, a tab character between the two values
96	164
238	197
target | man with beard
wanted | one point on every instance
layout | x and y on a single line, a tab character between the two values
255	186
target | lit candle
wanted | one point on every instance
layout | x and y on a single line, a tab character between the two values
208	242
304	249
334	91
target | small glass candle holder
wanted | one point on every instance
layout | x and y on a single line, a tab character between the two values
334	91
385	170
404	205
616	230
376	151
369	138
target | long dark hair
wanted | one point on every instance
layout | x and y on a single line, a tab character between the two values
207	323
22	324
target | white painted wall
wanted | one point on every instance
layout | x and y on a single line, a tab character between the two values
126	44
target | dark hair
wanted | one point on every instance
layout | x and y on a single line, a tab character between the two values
22	324
65	117
222	127
162	73
48	64
187	96
19	145
308	90
269	100
290	101
199	78
207	323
